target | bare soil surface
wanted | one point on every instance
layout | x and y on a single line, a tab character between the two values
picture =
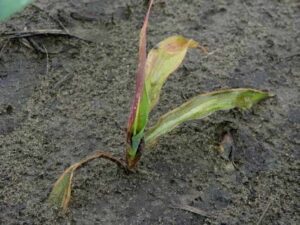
62	98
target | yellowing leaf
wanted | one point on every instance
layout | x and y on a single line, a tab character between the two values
61	191
204	105
164	60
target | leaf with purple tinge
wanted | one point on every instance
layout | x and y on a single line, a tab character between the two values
151	75
138	116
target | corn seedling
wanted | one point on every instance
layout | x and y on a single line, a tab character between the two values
152	72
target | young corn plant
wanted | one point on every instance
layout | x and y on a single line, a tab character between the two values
152	72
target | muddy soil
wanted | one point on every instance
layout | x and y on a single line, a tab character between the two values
56	108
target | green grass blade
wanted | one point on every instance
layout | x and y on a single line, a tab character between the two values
9	7
204	105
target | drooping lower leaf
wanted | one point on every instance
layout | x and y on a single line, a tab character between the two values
164	60
9	7
61	191
204	105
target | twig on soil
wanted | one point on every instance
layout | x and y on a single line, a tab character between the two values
211	53
42	32
195	210
47	59
27	35
51	17
36	46
264	212
289	57
26	43
61	82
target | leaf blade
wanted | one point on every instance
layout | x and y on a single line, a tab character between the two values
60	194
162	61
61	191
140	73
139	111
204	105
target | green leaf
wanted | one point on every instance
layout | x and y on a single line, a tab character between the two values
164	60
139	112
204	105
138	129
141	118
9	7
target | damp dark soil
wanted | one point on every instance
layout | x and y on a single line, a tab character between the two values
62	98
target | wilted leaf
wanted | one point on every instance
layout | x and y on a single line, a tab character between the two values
164	60
61	191
204	105
8	7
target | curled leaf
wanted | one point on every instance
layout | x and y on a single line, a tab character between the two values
138	116
140	73
164	60
61	191
204	105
